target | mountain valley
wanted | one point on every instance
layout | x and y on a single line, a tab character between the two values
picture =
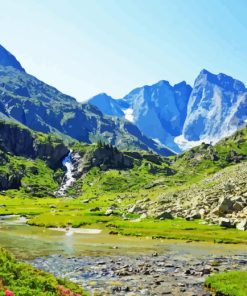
131	196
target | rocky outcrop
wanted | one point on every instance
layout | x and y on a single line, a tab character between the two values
18	141
51	153
21	141
105	157
10	181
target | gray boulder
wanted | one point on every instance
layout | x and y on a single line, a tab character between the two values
225	206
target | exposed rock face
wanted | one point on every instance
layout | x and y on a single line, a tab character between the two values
10	181
105	157
159	110
21	142
217	107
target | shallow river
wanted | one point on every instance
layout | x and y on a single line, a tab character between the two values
113	265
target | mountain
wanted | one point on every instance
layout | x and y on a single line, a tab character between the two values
149	117
180	116
158	110
217	107
7	59
43	108
107	105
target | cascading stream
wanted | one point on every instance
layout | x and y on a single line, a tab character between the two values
68	179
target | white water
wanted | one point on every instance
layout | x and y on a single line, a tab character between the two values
68	179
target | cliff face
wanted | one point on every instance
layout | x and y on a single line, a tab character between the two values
22	142
21	152
105	157
10	181
217	107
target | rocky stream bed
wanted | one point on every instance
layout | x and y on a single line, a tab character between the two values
165	274
113	265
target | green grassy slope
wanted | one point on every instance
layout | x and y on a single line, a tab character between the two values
24	280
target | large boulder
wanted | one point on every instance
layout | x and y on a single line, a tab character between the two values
242	225
225	206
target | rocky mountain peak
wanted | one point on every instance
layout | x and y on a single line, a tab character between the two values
216	108
7	59
106	104
222	80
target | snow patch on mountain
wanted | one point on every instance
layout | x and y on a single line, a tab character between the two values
128	114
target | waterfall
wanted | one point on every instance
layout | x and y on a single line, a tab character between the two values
68	179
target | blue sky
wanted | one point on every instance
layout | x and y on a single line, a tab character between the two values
87	47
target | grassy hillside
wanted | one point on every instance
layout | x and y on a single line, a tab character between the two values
152	175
